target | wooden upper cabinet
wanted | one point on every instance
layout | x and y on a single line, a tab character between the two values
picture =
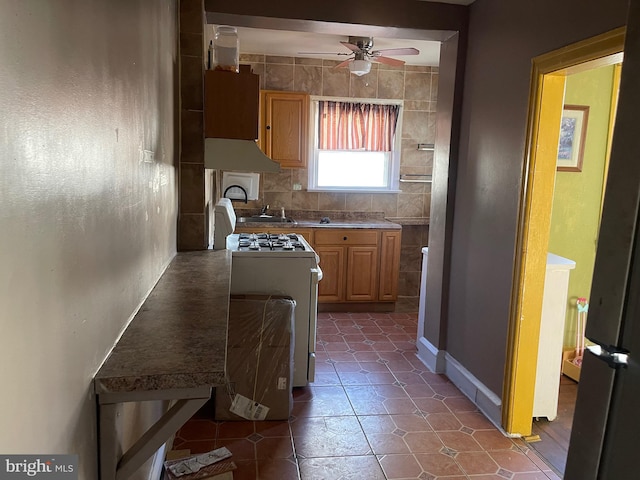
284	121
231	104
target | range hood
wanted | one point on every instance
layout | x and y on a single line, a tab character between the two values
232	154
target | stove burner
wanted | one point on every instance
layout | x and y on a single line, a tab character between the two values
269	241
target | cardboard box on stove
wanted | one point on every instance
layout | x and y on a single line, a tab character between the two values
260	348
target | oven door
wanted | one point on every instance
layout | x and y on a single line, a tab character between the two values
316	276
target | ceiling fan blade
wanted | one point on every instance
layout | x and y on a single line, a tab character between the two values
351	46
388	61
396	51
324	53
344	64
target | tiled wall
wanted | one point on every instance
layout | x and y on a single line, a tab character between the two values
418	87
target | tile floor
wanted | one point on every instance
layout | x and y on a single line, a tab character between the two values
374	412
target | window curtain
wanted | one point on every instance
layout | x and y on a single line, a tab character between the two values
356	126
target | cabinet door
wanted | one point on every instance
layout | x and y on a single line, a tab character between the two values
231	105
330	288
389	265
284	132
362	274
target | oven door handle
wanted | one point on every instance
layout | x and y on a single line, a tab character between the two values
316	274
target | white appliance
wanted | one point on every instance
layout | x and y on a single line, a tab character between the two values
278	265
554	308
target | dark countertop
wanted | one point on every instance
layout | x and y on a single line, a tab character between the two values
178	337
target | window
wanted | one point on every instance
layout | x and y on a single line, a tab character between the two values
355	145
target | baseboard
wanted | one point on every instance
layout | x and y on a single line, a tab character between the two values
486	401
433	358
439	361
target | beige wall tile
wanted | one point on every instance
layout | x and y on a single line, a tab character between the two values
415	125
276	200
409	284
308	61
410	205
278	59
278	77
434	87
251	58
304	200
417	86
307	78
385	202
417	105
390	84
365	86
359	202
335	82
331	201
277	182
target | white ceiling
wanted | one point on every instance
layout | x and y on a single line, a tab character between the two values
299	44
310	37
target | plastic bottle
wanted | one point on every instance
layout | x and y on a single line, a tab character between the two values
226	46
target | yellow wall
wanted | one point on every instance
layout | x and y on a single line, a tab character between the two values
577	195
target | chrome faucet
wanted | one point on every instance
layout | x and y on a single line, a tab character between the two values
263	210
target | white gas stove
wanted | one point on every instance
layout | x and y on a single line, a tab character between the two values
284	264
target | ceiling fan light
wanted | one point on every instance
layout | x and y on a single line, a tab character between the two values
360	67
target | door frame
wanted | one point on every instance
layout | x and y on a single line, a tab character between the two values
546	95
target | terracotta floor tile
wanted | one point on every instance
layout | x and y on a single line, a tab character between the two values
492	440
199	430
459	441
277	469
329	437
513	461
275	428
387	443
322	402
460	404
446	389
532	476
196	446
431	405
357	378
475	420
409	378
344	468
240	448
442	422
235	429
419	391
247	470
438	465
405	425
477	463
423	442
278	447
400	466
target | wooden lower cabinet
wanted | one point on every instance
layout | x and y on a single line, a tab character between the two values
358	265
389	265
331	288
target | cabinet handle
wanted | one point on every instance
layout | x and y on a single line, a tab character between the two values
344	238
268	127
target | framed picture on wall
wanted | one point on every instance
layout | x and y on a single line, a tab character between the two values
573	131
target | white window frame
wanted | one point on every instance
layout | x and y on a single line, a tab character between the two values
393	182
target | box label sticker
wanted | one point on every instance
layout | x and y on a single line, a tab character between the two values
282	383
246	408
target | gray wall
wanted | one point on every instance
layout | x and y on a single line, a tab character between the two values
503	38
86	225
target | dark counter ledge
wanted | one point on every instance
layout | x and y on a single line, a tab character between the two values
173	349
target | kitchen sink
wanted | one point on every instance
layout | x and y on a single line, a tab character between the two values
265	219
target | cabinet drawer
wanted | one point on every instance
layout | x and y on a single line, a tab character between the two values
345	237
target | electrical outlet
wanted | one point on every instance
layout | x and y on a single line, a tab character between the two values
297	186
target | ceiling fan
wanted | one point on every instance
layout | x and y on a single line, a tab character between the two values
363	54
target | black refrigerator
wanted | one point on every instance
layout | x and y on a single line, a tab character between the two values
604	438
